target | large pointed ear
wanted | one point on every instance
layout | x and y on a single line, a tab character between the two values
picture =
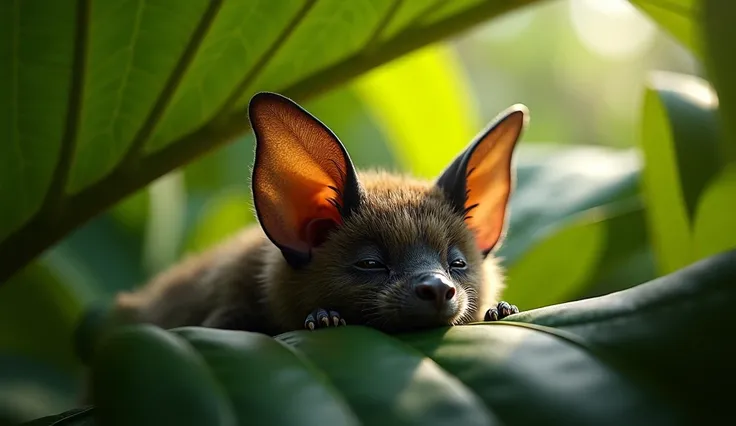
479	181
304	183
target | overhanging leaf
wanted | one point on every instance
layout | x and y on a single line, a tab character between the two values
101	99
36	56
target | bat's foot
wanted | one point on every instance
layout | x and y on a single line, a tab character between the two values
321	318
501	311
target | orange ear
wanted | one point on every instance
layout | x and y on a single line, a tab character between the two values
479	181
304	183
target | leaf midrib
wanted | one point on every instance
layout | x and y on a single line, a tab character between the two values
55	201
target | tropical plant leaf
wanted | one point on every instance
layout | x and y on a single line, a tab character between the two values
682	155
578	256
631	357
101	99
714	230
669	331
556	182
680	18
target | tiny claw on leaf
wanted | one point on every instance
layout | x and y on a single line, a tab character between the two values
501	311
491	315
320	318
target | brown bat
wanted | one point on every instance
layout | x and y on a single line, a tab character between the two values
336	246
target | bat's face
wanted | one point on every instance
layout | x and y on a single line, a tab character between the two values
404	260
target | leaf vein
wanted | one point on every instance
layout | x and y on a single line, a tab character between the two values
383	23
270	53
172	84
55	199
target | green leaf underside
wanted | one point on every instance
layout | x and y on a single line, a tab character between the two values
160	84
133	46
36	49
228	51
680	18
408	12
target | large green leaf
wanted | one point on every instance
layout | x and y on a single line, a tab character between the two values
714	230
100	98
682	155
674	332
632	357
591	254
556	182
577	225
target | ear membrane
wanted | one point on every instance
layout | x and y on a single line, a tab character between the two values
304	183
479	181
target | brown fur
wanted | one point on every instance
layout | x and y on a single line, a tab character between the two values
244	283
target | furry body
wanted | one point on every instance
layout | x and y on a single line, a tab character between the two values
245	283
363	250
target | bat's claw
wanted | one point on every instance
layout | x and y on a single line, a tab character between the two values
321	318
501	311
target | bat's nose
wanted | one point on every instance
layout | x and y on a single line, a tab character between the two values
435	289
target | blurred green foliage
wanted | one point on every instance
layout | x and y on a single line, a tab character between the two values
623	176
